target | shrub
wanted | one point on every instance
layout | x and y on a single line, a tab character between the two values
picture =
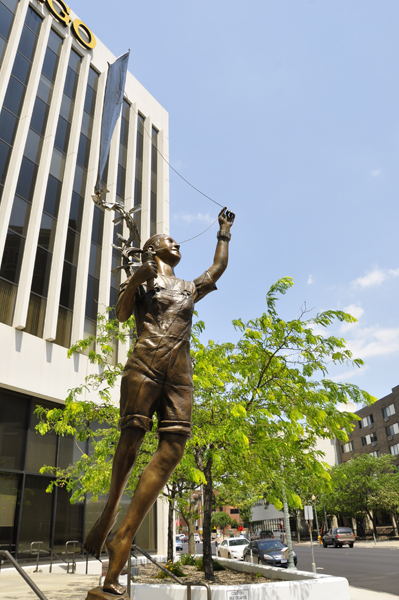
188	559
174	568
216	565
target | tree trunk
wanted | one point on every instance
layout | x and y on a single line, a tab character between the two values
298	525
171	502
206	539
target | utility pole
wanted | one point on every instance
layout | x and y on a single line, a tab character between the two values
291	564
315	512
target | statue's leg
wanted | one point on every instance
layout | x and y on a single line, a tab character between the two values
153	480
123	463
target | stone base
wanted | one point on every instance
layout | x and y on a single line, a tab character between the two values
99	594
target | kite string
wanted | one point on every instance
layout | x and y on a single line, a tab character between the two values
195	236
177	172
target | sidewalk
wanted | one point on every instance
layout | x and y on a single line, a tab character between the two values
361	544
59	586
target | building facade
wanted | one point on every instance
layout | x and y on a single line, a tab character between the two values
378	430
56	253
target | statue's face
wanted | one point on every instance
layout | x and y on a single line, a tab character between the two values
168	251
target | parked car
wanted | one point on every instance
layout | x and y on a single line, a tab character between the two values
268	552
266	533
179	544
232	548
338	536
197	537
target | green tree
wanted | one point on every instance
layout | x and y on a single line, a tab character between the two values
363	486
221	520
261	405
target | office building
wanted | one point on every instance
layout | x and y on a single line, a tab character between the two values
56	252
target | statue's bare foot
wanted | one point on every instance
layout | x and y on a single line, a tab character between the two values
111	583
98	534
114	588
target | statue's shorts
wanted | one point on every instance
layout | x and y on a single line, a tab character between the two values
158	379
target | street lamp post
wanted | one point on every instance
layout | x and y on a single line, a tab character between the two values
315	512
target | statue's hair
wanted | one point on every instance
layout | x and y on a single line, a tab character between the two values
153	241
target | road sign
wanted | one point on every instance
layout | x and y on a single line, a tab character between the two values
308	513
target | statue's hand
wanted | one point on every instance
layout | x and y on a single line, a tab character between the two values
226	219
149	270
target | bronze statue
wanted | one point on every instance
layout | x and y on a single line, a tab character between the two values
157	378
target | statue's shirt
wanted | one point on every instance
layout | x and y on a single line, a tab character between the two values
158	374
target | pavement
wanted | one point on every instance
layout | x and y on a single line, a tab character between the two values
62	586
364	544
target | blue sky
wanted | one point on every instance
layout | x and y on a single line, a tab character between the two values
287	112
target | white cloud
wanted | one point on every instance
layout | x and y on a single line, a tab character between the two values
375	277
190	218
349	375
376	172
355	310
373	341
178	164
310	279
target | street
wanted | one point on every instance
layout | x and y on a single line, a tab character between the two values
370	568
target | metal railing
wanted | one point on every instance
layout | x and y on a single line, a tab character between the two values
70	555
24	575
74	553
166	571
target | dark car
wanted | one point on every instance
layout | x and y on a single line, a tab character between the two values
338	536
268	552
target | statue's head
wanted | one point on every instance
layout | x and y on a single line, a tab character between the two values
165	248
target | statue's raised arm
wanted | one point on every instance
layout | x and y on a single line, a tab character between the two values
226	220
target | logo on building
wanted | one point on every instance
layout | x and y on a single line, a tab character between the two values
61	12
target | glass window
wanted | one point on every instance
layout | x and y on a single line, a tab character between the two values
39	116
35	317
366	421
33	20
64	326
394	450
124	132
14	419
50	64
19	219
393	429
83	151
76	212
71	83
11	4
9	502
45	89
87	125
33	146
95	260
27	43
14	96
90	100
74	61
21	68
47	232
6	18
121	181
388	411
347	447
3	44
79	182
72	247
12	257
98	223
122	155
27	179
55	42
8	294
5	152
67	108
93	78
68	286
41	448
62	135
41	272
68	520
53	195
8	126
57	166
92	298
36	513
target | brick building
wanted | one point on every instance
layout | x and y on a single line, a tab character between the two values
378	431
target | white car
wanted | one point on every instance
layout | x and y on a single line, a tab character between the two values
232	548
197	537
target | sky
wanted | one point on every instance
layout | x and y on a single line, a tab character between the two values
286	112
